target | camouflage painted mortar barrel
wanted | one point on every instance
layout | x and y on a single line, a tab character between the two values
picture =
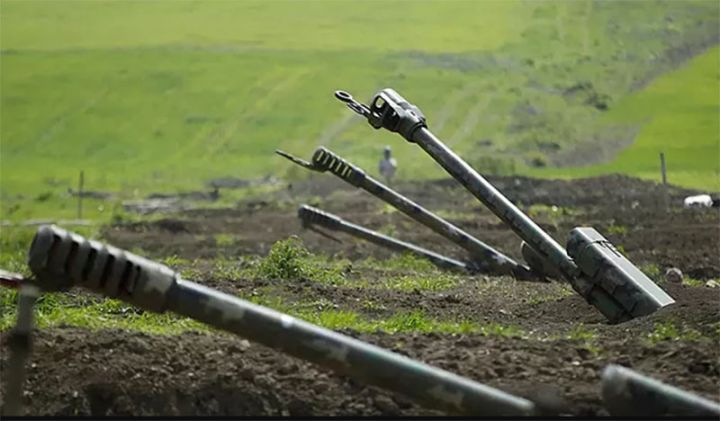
60	259
605	278
628	393
313	216
485	258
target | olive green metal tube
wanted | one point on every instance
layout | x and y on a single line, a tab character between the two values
427	385
485	258
594	268
628	393
314	216
476	184
61	259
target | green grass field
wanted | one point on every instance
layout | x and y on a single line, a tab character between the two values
163	96
679	114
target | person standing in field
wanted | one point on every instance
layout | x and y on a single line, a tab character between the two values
388	165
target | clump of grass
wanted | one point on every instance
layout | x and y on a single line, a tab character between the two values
174	261
581	333
370	305
290	260
403	262
90	312
336	319
496	329
403	322
588	337
669	331
653	271
389	230
421	282
232	269
286	260
617	229
554	293
553	213
417	321
387	209
54	309
224	240
692	282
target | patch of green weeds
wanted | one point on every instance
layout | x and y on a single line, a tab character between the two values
496	329
617	229
233	269
553	213
401	262
224	240
582	333
336	319
692	282
174	261
390	230
716	328
558	292
290	260
286	260
586	337
370	305
653	271
670	331
54	309
387	209
420	282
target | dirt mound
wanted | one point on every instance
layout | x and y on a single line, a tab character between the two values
78	372
628	211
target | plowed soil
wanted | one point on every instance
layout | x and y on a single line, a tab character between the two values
80	372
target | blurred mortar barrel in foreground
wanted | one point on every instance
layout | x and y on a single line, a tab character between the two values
628	393
19	343
61	259
485	258
312	216
597	271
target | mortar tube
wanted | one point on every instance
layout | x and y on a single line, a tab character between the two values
486	258
428	386
476	184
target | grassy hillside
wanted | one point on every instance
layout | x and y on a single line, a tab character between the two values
678	114
162	96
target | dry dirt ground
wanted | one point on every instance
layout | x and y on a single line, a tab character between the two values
75	371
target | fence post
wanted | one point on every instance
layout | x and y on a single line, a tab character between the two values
663	171
81	182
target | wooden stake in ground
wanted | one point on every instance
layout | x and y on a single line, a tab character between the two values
663	171
81	181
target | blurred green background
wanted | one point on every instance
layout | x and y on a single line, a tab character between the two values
162	96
